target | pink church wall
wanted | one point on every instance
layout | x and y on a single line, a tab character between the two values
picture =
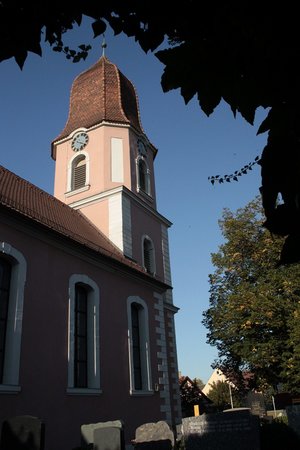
43	369
98	214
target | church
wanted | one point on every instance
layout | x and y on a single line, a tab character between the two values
86	311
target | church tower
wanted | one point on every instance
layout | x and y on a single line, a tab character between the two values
105	169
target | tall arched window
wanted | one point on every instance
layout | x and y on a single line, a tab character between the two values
81	337
12	282
148	255
83	353
143	176
138	346
79	172
5	274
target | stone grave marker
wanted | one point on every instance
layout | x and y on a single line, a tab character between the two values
154	436
256	402
293	415
103	435
22	433
222	431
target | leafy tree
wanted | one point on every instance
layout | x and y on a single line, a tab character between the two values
220	395
244	53
199	383
253	318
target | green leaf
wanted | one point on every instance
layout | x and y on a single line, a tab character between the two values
187	93
116	24
265	125
208	100
20	58
99	27
149	39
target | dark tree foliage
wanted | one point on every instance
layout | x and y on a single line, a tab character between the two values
245	53
191	394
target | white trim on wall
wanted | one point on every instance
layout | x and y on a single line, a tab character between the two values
117	170
119	219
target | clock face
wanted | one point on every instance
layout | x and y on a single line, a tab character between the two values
79	141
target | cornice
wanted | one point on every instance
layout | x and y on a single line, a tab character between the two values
120	189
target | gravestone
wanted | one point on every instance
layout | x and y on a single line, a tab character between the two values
103	436
22	433
222	431
255	401
293	415
154	436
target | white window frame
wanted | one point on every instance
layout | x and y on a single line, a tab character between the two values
93	299
71	168
153	263
12	356
144	346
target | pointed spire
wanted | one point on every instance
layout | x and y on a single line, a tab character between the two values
103	45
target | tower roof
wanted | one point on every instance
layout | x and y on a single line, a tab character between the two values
101	93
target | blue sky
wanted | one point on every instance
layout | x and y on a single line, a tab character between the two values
191	147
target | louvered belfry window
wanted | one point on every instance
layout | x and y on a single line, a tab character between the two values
148	256
79	173
142	175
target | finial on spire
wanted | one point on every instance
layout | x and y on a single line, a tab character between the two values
103	45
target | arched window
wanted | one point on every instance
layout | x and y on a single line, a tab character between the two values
143	176
148	255
79	172
138	344
12	282
5	274
81	337
83	358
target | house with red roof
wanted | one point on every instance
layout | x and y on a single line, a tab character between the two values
86	312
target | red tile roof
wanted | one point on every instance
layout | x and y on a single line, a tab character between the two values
28	200
102	93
